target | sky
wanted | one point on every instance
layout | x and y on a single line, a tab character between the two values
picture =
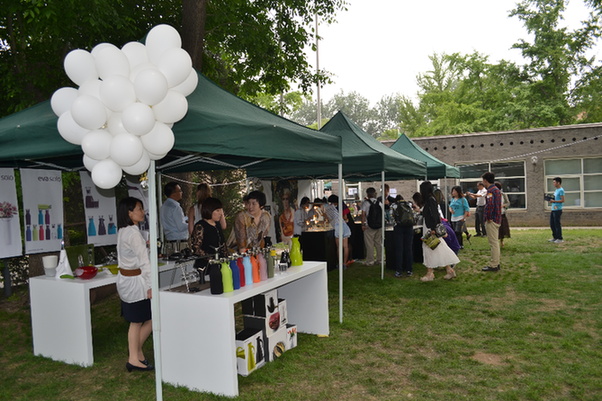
378	47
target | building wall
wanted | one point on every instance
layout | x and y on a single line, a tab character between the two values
532	146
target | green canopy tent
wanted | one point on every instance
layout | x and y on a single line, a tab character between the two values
220	131
435	168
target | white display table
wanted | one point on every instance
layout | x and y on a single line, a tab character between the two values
198	330
60	317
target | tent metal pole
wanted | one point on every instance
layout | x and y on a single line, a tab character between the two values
154	259
341	243
382	237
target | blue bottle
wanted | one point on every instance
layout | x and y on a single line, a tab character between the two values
91	228
40	217
59	231
235	274
246	261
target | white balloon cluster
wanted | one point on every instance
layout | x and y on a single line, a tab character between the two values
127	101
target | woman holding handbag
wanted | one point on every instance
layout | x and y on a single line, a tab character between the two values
441	255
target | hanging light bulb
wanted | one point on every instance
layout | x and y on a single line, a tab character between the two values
144	181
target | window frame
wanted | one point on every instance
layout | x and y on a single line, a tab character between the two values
581	178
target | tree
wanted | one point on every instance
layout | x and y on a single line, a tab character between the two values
246	47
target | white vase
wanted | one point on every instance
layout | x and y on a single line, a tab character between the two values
5	231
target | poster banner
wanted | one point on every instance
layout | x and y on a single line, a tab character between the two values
284	199
100	212
10	229
43	205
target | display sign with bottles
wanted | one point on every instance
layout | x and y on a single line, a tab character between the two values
10	229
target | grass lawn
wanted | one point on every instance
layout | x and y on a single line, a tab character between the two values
529	332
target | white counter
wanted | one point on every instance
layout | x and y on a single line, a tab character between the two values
198	329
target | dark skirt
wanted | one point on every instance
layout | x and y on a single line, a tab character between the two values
136	312
504	228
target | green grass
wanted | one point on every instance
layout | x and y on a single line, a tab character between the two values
530	332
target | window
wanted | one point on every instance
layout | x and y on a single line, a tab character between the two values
581	180
510	174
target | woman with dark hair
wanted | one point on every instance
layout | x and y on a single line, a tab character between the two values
252	225
442	255
207	236
134	281
301	216
203	191
459	210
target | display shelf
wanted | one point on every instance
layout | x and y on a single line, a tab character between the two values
198	330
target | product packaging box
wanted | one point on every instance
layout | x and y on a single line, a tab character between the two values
250	351
276	344
291	336
261	305
269	324
282	311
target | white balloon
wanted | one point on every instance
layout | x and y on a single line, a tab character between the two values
90	87
161	38
101	46
106	174
189	84
176	65
150	86
97	144
115	125
140	67
111	61
171	109
70	130
140	166
89	163
159	141
138	119
117	92
62	99
126	149
79	66
89	112
136	53
153	156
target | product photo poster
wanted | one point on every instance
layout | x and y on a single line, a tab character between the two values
10	229
100	212
43	210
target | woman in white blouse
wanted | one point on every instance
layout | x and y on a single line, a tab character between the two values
134	281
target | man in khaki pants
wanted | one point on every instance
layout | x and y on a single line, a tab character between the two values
493	219
372	235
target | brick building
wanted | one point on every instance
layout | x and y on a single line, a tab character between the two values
525	162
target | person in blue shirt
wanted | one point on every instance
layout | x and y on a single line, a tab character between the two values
556	205
459	209
173	221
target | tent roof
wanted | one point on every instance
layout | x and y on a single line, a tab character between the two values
364	157
220	131
435	168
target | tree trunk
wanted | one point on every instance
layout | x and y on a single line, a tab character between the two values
194	17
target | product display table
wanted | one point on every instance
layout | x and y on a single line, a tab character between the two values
60	317
60	312
198	330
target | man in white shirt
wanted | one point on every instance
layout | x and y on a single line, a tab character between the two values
480	196
173	220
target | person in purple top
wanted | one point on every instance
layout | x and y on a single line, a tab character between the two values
493	219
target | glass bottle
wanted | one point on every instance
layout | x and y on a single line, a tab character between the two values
296	257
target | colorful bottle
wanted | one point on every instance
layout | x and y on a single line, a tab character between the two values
271	261
59	231
47	232
227	277
40	217
47	217
241	271
41	232
263	267
27	217
235	274
296	257
255	264
28	233
248	269
215	279
36	233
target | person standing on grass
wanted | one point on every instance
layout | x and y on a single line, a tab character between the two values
480	197
493	219
372	235
459	210
556	205
505	227
134	281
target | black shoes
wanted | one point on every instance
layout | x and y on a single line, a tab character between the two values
131	367
491	269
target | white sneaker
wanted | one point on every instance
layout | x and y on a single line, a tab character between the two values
558	241
552	240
